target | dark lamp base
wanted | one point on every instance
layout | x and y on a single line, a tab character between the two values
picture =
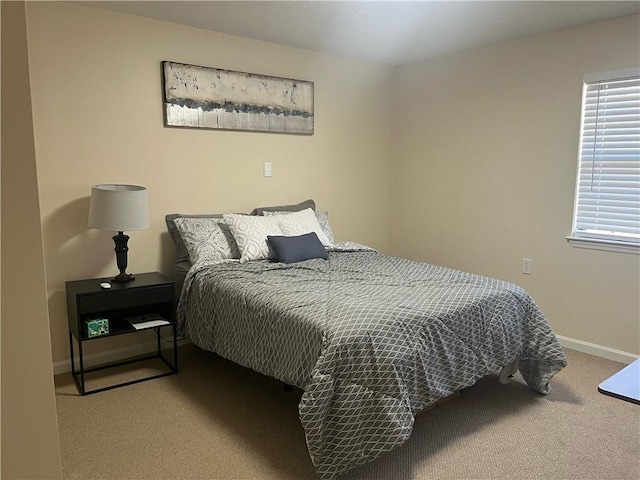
121	258
123	277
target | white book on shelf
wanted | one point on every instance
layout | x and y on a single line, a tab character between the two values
148	320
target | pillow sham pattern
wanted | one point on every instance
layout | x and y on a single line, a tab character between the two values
207	240
250	233
296	249
298	223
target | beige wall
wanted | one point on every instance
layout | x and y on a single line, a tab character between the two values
485	148
97	104
30	447
471	164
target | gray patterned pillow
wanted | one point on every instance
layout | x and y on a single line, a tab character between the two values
250	233
323	220
170	219
207	240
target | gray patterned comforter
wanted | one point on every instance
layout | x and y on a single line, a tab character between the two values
371	339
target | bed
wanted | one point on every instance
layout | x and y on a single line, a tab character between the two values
371	339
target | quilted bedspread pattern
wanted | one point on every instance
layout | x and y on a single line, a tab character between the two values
371	339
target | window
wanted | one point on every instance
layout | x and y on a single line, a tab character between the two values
607	204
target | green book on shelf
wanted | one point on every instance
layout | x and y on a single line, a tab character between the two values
97	326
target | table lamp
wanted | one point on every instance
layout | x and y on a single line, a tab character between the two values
119	208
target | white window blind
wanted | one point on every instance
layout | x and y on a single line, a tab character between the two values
607	206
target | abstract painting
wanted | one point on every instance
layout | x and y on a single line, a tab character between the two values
203	97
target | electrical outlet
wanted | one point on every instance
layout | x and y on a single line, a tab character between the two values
267	169
527	265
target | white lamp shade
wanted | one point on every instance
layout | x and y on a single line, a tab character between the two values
118	207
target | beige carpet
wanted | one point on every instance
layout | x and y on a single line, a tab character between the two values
216	420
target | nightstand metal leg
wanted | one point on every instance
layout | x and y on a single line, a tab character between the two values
77	373
73	365
175	347
82	389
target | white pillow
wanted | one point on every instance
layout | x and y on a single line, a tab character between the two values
207	240
250	233
321	215
299	223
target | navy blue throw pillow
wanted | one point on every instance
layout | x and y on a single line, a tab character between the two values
296	248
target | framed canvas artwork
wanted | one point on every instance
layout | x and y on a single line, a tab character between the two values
204	97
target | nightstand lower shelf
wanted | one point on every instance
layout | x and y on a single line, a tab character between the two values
80	379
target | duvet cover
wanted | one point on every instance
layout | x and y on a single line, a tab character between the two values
371	339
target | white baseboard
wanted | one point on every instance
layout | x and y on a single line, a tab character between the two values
597	350
110	356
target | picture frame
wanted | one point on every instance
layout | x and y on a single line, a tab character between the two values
214	98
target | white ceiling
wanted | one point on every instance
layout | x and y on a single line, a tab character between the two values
387	32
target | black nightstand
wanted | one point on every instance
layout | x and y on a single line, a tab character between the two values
149	296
